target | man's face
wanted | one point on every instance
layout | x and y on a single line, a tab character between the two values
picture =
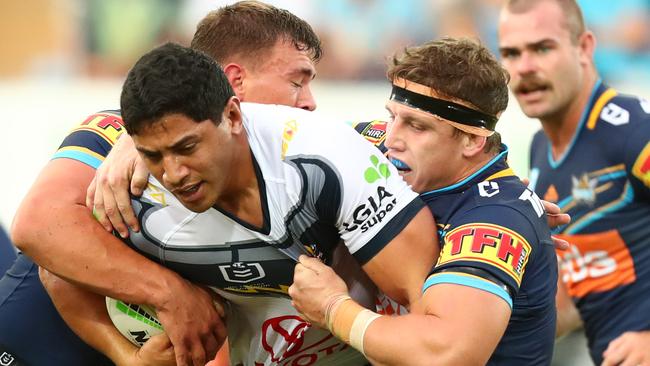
544	65
192	160
284	77
422	147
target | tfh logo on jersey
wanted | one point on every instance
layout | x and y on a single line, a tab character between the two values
494	245
240	272
372	212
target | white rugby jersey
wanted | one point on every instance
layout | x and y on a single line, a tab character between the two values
320	183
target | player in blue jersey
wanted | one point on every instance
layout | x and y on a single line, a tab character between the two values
592	157
286	41
490	297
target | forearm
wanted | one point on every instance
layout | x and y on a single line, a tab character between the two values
54	228
568	320
425	339
85	313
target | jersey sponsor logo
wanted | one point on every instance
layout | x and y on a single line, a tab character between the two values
372	211
615	115
290	128
494	245
641	168
106	125
283	338
595	263
241	272
488	188
377	171
375	132
583	189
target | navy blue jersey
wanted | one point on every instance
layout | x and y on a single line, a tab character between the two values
495	238
7	252
603	181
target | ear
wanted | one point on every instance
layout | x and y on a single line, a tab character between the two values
473	144
232	114
587	44
236	73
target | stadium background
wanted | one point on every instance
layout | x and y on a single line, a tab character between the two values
61	60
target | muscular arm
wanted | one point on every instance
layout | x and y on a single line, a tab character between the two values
84	312
457	325
54	227
451	325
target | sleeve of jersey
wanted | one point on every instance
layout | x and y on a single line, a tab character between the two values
91	141
637	153
374	132
488	250
376	203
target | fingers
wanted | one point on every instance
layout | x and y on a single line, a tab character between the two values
555	220
90	194
112	211
140	177
559	243
551	208
311	263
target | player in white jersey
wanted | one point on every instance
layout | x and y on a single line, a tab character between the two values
267	190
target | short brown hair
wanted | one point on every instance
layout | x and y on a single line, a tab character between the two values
460	69
250	28
575	22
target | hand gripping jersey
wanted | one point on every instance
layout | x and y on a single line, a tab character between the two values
495	238
320	183
603	182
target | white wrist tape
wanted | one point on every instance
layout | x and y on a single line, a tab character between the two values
359	327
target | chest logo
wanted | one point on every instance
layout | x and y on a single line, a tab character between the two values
583	189
241	272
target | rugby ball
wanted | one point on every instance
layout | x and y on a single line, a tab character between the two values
137	323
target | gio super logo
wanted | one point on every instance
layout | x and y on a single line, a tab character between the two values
377	206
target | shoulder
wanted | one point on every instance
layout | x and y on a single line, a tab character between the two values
507	202
617	112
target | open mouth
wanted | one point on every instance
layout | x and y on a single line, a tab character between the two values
187	190
400	165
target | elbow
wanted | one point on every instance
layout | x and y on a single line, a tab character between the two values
25	229
451	353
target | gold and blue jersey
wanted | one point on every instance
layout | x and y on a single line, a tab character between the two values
603	182
90	141
495	238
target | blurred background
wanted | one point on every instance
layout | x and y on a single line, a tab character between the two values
61	60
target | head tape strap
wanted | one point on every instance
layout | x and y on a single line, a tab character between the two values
444	109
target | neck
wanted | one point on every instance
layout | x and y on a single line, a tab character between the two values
472	166
243	199
561	126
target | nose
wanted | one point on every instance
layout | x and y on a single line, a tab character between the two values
394	139
174	171
306	99
526	64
